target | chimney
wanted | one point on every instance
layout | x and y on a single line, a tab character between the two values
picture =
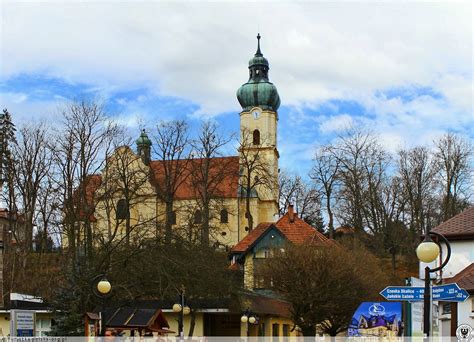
291	213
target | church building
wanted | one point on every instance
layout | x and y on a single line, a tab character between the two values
130	195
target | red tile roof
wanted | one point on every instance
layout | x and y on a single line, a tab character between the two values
458	227
14	217
296	230
92	183
223	178
465	278
264	305
344	230
248	241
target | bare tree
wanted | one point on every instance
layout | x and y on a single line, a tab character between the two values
305	199
326	285
171	169
82	143
416	172
256	173
123	188
452	157
358	154
32	164
324	173
209	176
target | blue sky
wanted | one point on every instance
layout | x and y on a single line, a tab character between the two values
402	70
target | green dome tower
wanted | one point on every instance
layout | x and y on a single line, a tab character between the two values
258	140
144	147
258	91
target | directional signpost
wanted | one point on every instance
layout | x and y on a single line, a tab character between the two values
403	293
449	292
445	293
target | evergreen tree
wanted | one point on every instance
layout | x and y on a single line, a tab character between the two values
7	135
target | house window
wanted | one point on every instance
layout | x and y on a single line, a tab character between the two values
286	331
43	326
259	282
275	331
173	217
446	308
256	137
122	210
224	216
267	253
197	217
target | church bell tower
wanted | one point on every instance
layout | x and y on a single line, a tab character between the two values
258	135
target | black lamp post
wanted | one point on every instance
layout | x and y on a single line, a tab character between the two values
249	318
427	252
183	310
101	288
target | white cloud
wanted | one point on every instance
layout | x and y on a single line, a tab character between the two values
25	110
198	52
336	123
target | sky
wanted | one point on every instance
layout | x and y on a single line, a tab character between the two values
400	69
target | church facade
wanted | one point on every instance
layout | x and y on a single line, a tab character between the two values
130	194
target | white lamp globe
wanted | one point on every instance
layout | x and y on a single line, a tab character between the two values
186	310
427	251
252	320
176	307
104	286
244	319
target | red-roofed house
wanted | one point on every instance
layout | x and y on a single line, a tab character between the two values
266	237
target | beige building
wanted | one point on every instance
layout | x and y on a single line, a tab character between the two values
130	193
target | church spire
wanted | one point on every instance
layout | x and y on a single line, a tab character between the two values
258	53
258	91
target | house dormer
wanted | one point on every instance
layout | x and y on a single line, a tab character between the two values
261	243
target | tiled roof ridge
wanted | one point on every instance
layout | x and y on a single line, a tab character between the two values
464	278
459	225
461	274
455	217
190	159
250	239
297	221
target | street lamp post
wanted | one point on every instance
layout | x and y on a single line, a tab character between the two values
183	310
101	288
427	251
249	318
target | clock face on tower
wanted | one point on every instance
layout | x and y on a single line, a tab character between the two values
256	113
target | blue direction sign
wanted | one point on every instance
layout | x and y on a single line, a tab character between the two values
403	293
449	293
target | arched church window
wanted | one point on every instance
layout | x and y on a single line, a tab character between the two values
197	217
256	137
173	217
224	216
122	210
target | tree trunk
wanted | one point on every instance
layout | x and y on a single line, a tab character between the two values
192	324
331	217
205	225
308	330
168	225
248	215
